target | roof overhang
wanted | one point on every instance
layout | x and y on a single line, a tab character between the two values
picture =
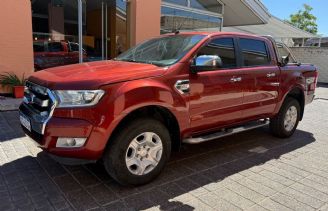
275	27
244	12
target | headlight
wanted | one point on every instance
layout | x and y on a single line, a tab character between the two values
78	98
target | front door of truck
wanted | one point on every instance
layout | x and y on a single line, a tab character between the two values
260	77
55	55
216	96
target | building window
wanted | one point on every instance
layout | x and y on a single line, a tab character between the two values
195	15
254	52
56	21
207	5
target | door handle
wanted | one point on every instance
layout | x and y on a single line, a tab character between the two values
235	79
271	75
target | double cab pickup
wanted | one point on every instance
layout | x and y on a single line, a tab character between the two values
181	88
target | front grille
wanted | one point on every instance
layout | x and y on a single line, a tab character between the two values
39	104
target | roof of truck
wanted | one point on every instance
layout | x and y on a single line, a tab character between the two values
215	34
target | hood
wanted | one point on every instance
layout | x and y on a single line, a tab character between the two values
92	75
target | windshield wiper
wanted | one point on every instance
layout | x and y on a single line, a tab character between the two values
140	61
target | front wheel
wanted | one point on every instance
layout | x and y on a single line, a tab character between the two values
285	123
138	152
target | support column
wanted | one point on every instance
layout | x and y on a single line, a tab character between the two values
144	20
56	21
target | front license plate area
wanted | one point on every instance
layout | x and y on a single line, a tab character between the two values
25	122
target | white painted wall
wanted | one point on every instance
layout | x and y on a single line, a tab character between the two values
316	56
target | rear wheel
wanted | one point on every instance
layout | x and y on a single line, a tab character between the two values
138	152
285	123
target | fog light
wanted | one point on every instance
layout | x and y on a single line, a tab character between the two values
70	142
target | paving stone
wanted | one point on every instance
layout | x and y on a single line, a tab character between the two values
234	198
116	206
245	192
310	191
218	203
81	200
102	194
315	185
272	205
257	187
301	197
85	178
67	183
257	207
266	181
276	177
290	202
138	202
324	208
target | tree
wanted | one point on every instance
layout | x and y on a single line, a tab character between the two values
304	20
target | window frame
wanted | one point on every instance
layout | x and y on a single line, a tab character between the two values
236	47
240	52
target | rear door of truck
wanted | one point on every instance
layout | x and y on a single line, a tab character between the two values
260	76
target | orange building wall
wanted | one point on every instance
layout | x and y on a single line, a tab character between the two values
144	20
16	48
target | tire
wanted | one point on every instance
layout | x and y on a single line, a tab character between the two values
277	124
121	152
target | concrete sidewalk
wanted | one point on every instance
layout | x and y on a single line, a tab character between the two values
9	104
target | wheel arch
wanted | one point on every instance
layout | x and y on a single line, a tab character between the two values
298	94
158	112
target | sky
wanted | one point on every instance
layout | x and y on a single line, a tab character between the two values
283	8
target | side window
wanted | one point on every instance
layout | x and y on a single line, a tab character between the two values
222	47
282	51
38	47
55	47
74	47
254	52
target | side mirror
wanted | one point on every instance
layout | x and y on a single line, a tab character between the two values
284	60
206	63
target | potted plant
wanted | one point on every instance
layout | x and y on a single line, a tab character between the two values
11	80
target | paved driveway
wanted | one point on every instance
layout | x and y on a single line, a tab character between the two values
249	171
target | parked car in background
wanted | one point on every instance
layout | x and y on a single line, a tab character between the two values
183	88
49	54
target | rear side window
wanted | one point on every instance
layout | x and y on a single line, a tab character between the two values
222	47
38	47
254	52
55	47
74	47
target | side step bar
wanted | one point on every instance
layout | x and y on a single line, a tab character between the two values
227	132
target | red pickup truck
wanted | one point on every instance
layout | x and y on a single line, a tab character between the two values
183	88
49	54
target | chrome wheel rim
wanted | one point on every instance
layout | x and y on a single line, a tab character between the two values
290	118
144	153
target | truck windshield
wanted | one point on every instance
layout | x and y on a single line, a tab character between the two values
162	51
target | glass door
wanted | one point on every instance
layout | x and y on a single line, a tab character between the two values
56	31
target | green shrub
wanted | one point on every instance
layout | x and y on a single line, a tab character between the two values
11	80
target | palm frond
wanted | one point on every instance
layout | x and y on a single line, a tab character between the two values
11	79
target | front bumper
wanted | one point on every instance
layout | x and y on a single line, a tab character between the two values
64	127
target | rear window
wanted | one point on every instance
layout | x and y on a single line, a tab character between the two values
55	47
254	52
74	47
38	47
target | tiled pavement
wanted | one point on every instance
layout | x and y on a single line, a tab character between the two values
249	171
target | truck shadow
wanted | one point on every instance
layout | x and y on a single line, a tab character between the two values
190	172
